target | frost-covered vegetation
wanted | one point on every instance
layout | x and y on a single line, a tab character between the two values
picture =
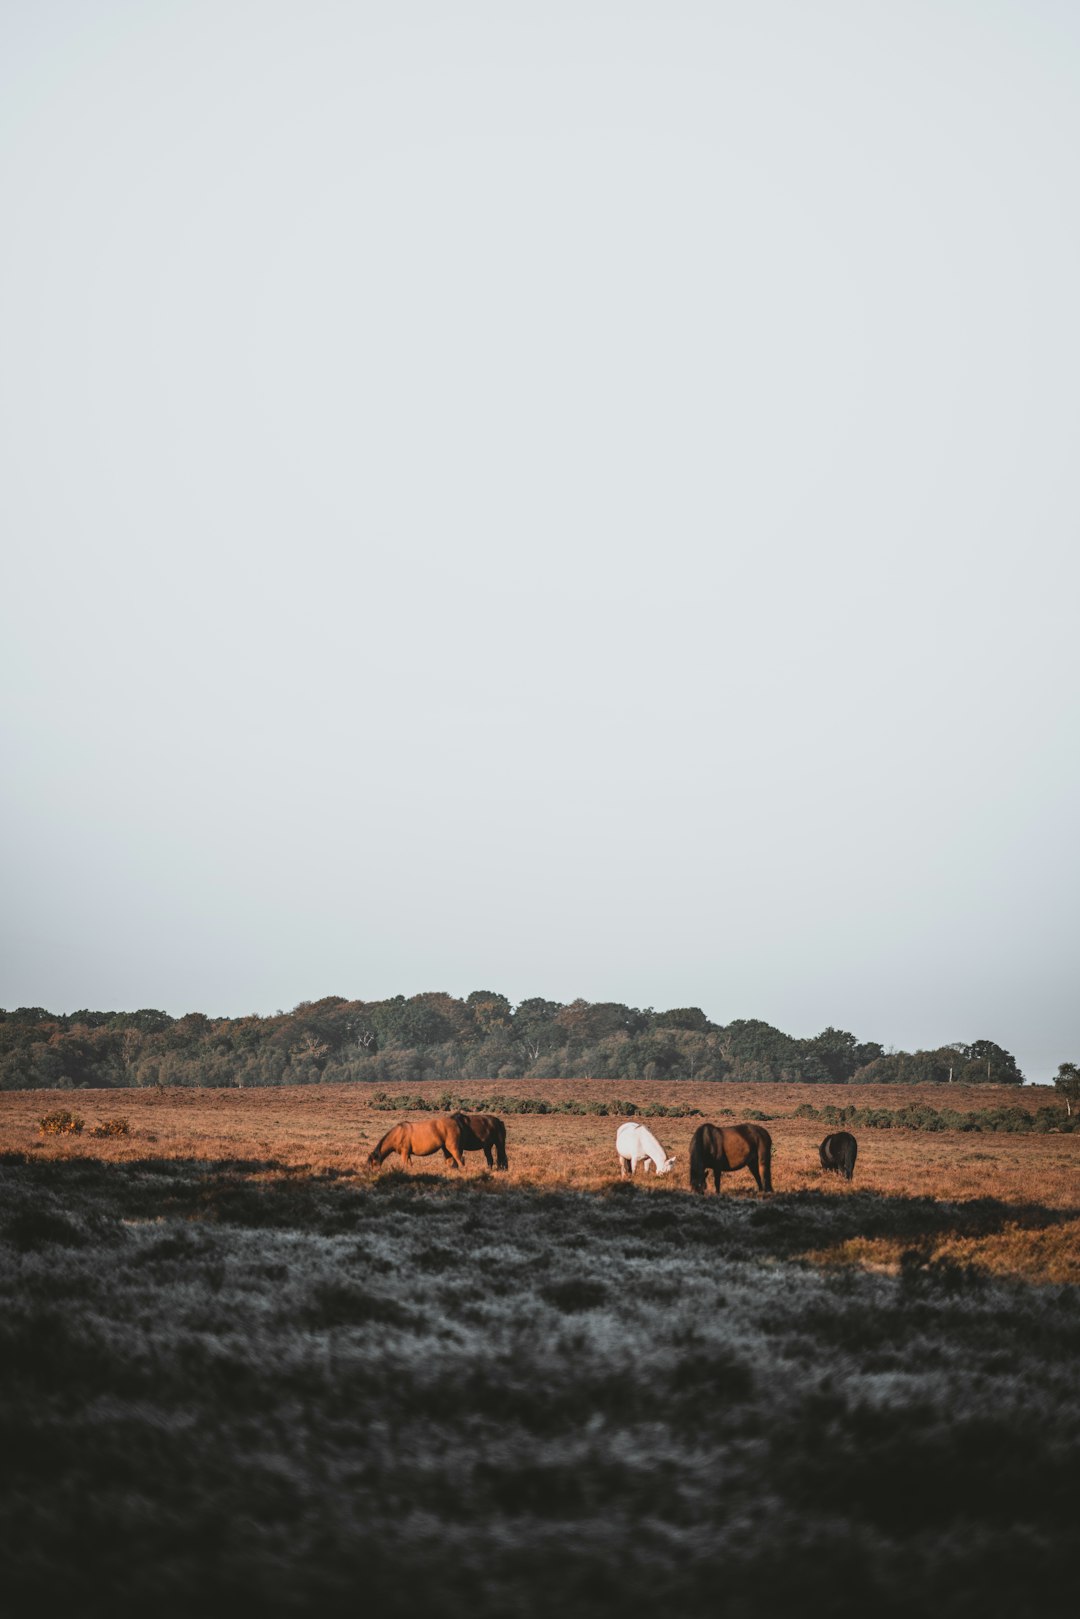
235	1383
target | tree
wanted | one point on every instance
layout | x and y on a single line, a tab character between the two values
489	1010
758	1051
535	1026
683	1017
913	1067
312	1050
407	1024
836	1055
1067	1082
990	1064
595	1020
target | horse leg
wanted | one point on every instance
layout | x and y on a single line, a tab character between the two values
488	1154
752	1166
716	1179
625	1167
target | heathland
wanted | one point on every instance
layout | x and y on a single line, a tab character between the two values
237	1366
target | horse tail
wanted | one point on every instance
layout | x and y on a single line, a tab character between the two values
501	1160
765	1158
697	1160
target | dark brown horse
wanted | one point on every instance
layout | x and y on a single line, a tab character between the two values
838	1152
730	1146
442	1134
484	1131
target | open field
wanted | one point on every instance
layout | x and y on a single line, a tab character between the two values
331	1128
236	1367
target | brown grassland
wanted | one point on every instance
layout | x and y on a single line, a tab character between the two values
237	1366
322	1129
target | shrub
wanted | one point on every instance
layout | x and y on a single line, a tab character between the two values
61	1123
111	1127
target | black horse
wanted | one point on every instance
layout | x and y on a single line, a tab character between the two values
838	1152
484	1130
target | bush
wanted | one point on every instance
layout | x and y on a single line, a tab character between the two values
111	1127
61	1123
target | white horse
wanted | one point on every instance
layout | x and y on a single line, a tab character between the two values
636	1143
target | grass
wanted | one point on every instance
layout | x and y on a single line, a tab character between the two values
235	1367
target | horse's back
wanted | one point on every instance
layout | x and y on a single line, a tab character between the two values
629	1139
732	1145
839	1151
723	1147
428	1135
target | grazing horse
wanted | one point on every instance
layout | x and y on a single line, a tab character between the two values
730	1146
484	1130
442	1134
838	1152
635	1144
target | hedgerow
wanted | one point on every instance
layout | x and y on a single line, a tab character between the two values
382	1102
918	1116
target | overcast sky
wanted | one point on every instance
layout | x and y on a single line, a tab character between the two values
572	499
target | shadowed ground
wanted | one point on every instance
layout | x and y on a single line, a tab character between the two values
234	1382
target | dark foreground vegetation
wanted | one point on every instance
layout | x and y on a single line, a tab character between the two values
436	1036
239	1385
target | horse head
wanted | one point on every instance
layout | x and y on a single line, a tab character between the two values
666	1166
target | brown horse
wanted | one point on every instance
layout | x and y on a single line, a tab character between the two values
838	1152
732	1146
442	1134
484	1131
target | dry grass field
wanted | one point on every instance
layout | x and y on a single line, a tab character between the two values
329	1129
238	1367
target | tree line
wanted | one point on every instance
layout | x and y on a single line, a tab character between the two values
433	1036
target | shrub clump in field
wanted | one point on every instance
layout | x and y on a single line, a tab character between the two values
61	1123
112	1127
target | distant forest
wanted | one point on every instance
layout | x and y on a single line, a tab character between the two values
434	1036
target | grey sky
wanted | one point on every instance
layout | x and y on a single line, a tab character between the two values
570	499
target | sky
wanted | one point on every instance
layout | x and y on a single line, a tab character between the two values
567	498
